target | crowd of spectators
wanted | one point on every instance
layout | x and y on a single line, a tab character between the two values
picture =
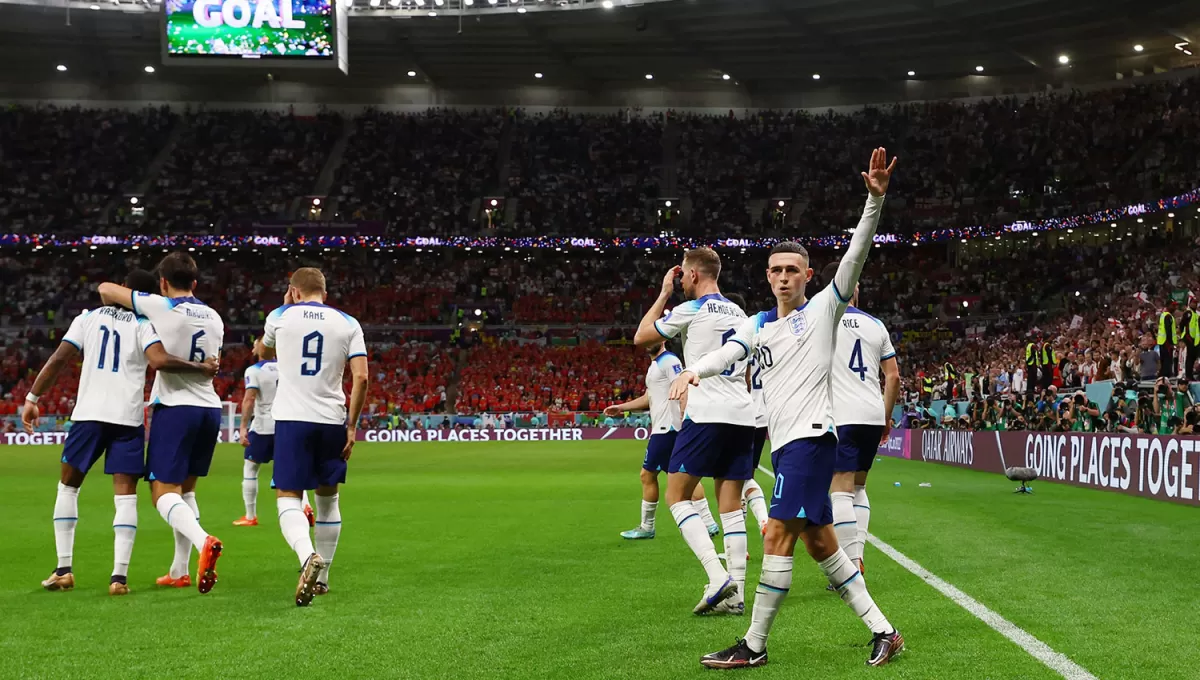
573	173
240	166
419	172
62	168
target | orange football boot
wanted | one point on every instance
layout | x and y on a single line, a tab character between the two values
206	566
184	581
245	521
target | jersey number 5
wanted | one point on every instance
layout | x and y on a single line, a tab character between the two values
312	347
724	339
856	361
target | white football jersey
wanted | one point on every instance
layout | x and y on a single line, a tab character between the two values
796	352
862	345
264	377
705	324
664	413
312	342
190	330
756	392
112	381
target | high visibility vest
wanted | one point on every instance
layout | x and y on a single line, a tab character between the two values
1049	357
927	385
1032	356
1166	322
1193	327
949	372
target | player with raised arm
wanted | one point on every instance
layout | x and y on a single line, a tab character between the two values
107	421
863	416
718	423
795	346
752	493
186	419
664	426
314	435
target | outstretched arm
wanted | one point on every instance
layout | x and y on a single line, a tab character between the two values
642	403
116	294
851	266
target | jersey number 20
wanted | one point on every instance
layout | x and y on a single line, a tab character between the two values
312	347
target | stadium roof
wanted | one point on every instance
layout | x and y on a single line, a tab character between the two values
762	45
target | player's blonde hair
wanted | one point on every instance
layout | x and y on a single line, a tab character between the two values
704	260
308	280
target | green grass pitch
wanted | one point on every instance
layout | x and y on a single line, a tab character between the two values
503	560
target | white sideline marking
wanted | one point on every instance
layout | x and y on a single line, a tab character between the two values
1039	650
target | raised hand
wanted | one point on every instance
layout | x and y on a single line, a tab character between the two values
679	386
880	173
668	286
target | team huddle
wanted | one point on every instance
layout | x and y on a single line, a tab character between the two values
810	369
299	420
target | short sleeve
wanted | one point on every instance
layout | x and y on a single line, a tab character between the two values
887	351
146	334
677	319
672	366
272	326
252	378
150	305
74	334
358	345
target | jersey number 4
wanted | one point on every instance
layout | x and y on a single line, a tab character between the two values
116	350
312	348
856	361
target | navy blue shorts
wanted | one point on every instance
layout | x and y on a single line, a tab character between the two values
717	450
261	449
123	447
658	451
803	472
182	439
308	455
760	441
857	447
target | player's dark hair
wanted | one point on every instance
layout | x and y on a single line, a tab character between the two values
179	269
789	247
704	260
829	271
737	300
141	281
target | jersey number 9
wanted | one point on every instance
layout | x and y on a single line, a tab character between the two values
312	348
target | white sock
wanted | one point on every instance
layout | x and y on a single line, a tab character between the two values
705	514
327	530
250	488
755	500
124	531
862	514
66	515
294	526
304	500
844	523
696	535
843	575
182	519
734	526
773	587
183	545
648	510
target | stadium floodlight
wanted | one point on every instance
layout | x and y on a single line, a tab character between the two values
495	203
911	74
816	76
420	3
61	67
520	10
964	240
1064	59
439	3
492	2
478	312
979	69
394	3
469	3
1170	214
432	13
149	69
724	76
966	304
93	7
538	75
607	4
667	203
374	3
1138	48
133	200
316	201
781	204
1140	220
649	76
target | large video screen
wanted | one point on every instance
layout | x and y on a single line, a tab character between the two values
300	30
